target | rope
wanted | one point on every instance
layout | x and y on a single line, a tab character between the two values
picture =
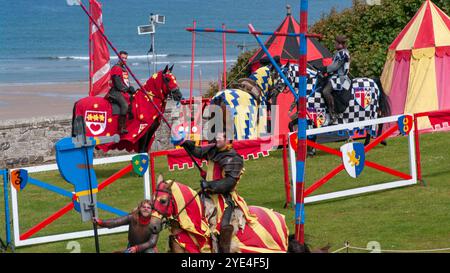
340	249
347	246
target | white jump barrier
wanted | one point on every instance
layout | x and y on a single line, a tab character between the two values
18	242
359	190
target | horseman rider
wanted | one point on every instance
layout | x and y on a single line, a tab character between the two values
221	155
339	69
120	83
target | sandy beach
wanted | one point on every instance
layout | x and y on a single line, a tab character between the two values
21	101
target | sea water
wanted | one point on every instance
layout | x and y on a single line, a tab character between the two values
47	41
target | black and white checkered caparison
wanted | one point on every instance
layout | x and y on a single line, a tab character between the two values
354	111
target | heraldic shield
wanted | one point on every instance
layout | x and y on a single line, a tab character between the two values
405	124
363	96
353	157
140	163
19	179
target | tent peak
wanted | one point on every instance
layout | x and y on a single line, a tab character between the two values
288	10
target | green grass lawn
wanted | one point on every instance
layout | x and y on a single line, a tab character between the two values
414	217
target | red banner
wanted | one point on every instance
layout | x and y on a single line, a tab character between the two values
246	148
440	120
99	53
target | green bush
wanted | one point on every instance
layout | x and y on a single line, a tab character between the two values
370	29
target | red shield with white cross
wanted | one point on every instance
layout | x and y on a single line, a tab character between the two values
363	96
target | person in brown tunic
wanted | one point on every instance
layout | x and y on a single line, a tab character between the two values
140	237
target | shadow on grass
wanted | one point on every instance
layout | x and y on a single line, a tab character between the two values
443	173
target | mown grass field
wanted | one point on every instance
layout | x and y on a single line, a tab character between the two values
414	217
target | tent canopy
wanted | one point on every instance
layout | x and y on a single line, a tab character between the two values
416	72
430	27
287	47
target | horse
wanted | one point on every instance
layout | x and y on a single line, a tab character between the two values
101	114
246	105
365	100
194	221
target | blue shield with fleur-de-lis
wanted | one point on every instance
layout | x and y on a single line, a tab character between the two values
140	163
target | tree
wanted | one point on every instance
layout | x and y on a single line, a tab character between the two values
370	29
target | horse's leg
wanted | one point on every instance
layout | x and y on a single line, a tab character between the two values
73	119
367	140
174	246
312	151
379	132
145	140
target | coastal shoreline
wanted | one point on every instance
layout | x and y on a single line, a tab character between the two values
24	101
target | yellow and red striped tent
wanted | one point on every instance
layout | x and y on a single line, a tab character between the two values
416	75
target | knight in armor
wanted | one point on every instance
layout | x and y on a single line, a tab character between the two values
140	237
221	153
338	70
120	84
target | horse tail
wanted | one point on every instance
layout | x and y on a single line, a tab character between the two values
295	247
385	107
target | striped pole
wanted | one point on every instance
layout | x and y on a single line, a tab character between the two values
5	174
224	56
90	53
301	133
240	31
191	84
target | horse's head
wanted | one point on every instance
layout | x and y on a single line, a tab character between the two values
267	80
165	83
162	204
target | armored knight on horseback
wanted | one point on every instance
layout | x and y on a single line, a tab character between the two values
225	168
120	84
339	70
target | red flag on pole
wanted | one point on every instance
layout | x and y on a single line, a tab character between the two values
99	59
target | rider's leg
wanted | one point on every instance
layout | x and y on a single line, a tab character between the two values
117	97
226	229
123	114
327	90
130	109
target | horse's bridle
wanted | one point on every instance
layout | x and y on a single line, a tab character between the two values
161	98
165	218
164	215
166	82
276	89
